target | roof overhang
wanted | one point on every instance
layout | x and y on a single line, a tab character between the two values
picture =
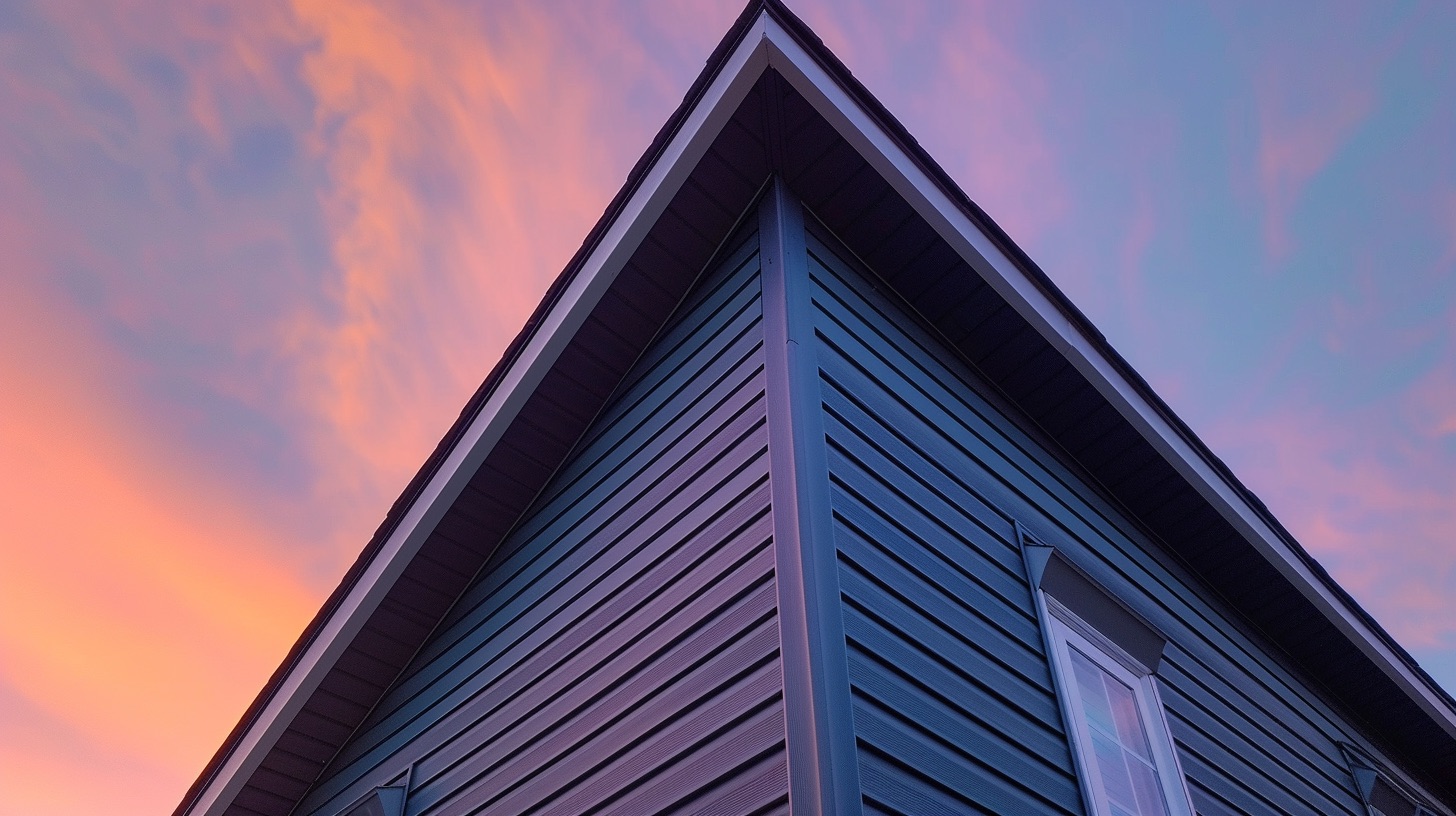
505	392
1071	334
927	189
370	615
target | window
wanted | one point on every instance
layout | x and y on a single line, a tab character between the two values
1116	722
1104	659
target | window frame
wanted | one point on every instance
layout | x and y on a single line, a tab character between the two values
1064	630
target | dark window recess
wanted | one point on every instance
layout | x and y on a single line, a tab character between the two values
382	801
1380	792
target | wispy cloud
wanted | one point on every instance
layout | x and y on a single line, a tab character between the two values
958	70
464	155
1300	131
437	158
1360	500
1310	104
994	100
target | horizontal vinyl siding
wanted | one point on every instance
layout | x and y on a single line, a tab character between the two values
944	646
620	650
953	704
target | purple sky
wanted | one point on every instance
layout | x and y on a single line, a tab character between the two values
257	255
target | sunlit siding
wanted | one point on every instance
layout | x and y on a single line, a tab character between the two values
620	651
953	703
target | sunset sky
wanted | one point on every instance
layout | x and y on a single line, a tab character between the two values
255	256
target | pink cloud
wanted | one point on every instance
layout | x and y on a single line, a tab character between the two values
1430	404
1307	113
445	163
1300	132
994	99
957	71
1445	218
1372	495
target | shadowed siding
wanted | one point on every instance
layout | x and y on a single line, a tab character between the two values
953	704
620	651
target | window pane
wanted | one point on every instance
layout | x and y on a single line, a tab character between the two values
1149	792
1093	693
1113	769
1121	755
1125	714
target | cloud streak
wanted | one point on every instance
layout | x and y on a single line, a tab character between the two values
1309	110
1379	510
138	602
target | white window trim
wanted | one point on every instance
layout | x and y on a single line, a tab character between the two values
1062	628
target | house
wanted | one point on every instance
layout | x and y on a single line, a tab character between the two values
805	490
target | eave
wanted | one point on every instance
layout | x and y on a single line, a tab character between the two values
774	100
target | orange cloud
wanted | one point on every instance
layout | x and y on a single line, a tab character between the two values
466	154
47	767
139	606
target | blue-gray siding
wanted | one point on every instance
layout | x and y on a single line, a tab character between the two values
953	700
620	651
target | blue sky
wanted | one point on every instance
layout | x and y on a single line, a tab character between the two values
258	255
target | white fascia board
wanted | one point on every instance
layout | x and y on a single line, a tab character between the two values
662	181
932	203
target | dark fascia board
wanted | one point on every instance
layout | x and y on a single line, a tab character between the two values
767	36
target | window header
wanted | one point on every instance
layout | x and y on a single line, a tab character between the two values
1050	571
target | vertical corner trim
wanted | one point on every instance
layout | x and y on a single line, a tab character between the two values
823	762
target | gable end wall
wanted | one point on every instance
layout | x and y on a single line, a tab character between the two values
620	650
953	701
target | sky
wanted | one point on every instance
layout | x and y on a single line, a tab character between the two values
255	256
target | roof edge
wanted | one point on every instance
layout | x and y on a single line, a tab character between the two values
730	71
799	55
